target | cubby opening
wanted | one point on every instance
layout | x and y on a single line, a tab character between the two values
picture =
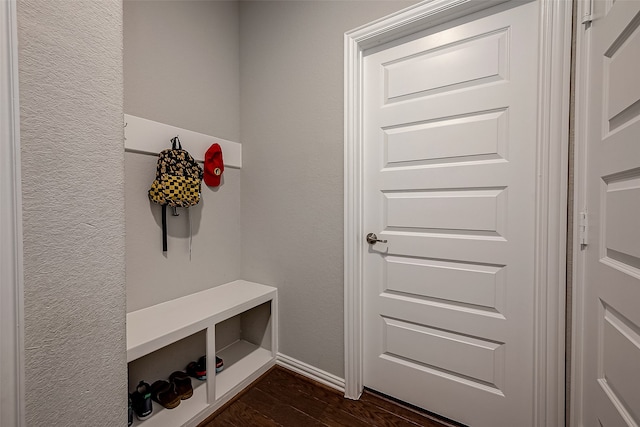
158	365
244	342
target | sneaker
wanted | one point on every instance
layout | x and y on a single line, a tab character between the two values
130	412
219	363
197	370
141	401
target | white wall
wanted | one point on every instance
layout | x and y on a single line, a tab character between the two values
70	72
292	179
181	67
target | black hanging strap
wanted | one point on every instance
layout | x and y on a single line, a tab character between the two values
175	143
164	228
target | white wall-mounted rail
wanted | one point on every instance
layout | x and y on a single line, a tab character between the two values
149	137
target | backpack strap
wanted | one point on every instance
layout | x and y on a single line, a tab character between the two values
164	228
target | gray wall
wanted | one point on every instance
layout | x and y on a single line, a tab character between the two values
70	72
73	183
292	179
181	67
181	64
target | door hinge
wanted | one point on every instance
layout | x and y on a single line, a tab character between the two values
583	229
587	14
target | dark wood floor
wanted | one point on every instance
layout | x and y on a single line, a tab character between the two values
284	398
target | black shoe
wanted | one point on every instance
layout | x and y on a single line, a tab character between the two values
198	369
141	401
130	412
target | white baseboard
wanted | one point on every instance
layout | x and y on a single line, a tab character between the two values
311	372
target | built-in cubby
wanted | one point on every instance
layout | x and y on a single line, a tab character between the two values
236	321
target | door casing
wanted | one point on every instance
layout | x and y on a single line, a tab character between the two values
551	185
11	324
580	192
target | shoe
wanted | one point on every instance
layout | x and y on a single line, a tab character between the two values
130	412
198	369
182	384
219	363
141	401
165	394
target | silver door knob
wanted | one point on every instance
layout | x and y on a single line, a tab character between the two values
372	239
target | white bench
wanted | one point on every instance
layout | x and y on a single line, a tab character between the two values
155	327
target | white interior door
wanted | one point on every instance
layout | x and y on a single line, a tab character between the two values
609	282
450	184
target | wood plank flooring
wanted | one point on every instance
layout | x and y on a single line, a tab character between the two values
286	399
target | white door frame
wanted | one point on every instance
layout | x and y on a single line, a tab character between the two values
11	315
551	184
579	203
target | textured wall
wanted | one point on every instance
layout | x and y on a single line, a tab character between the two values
70	71
292	180
181	67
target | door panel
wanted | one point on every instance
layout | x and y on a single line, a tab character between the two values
474	61
448	350
611	263
446	210
621	232
448	142
621	359
476	284
450	183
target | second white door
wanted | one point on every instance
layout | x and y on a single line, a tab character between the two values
607	353
450	184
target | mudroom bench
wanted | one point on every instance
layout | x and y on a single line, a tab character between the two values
247	343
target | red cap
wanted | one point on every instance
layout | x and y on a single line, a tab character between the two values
213	166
